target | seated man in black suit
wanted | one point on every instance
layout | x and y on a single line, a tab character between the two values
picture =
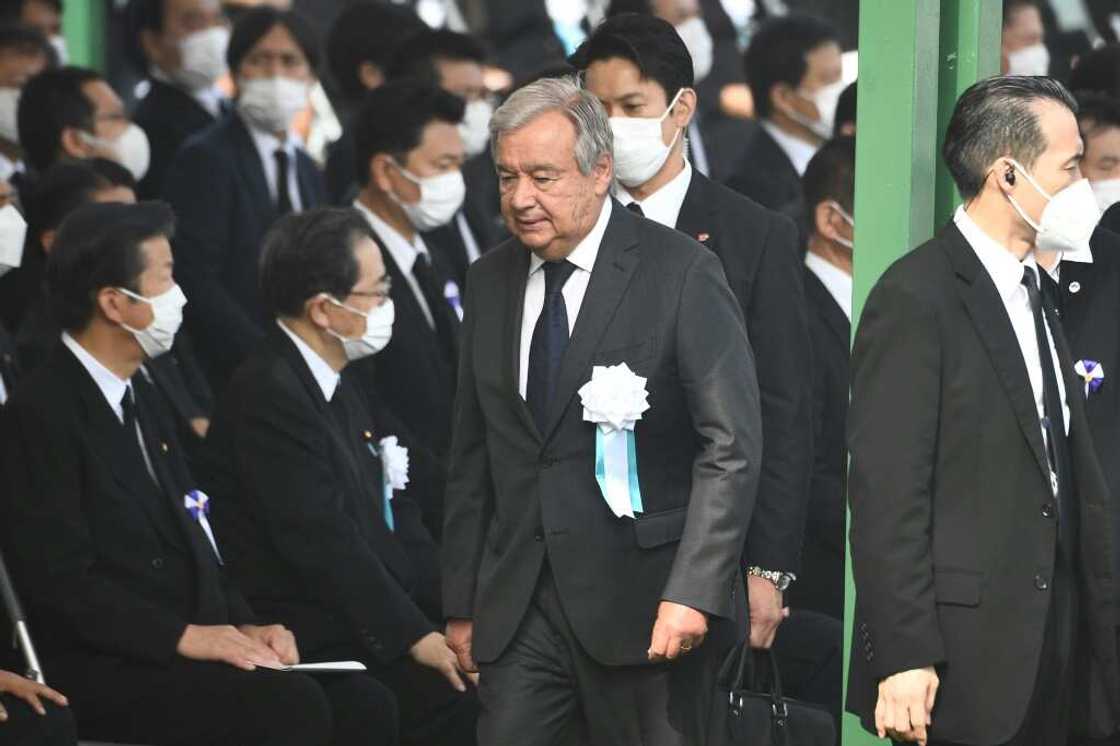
182	46
305	479
231	182
409	156
793	67
107	534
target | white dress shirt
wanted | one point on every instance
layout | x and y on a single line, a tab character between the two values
465	233
267	144
696	147
324	375
797	150
9	167
583	257
664	205
1006	272
404	253
836	281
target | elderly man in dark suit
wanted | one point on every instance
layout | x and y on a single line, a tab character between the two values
642	73
981	534
597	601
230	182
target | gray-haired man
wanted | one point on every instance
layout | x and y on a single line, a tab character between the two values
592	544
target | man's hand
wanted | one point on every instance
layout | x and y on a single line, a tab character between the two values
225	644
766	611
29	691
905	704
433	651
278	638
459	633
678	629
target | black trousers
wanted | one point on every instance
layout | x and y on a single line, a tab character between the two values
25	727
191	703
545	690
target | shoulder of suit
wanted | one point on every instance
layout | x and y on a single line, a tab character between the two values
924	273
741	208
49	394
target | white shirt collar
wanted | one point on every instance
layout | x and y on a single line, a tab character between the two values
664	205
112	386
797	150
1004	267
404	252
209	98
587	250
268	143
836	281
324	375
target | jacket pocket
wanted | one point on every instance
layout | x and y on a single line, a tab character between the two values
958	587
654	529
631	354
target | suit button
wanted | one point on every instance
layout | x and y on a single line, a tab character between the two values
538	536
1041	583
164	448
157	563
1047	510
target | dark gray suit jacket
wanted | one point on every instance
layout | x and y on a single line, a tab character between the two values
658	302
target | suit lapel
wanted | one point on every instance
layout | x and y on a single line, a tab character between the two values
614	266
698	217
517	279
834	317
249	164
309	194
989	317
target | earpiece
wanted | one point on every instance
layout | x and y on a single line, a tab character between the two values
1010	175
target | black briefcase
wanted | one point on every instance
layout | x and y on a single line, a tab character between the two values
749	709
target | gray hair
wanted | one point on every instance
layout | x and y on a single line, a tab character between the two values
565	95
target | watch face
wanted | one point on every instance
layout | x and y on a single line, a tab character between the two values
783	582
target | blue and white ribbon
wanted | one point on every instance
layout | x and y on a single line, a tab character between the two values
197	504
451	294
614	399
616	470
1092	373
394	473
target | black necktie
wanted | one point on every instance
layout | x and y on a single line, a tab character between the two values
434	296
283	196
133	431
550	339
635	208
1053	421
128	412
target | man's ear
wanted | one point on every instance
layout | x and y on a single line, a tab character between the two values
685	108
603	171
110	302
379	167
370	75
46	240
782	96
72	144
315	310
822	221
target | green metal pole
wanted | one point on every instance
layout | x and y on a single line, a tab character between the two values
83	25
916	57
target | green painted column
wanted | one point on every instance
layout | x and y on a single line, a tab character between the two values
916	57
83	25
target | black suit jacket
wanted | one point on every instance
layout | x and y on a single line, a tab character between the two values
1111	219
659	303
10	369
217	186
168	116
953	530
758	249
108	563
298	506
765	174
820	586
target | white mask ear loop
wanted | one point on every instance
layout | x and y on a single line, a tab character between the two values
673	103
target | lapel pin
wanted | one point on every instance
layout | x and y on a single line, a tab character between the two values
1075	287
702	237
1092	373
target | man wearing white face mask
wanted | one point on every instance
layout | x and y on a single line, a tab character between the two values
1023	50
233	180
24	53
640	70
793	67
182	44
409	156
1098	117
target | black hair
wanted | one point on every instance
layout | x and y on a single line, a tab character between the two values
26	40
50	102
992	119
13	9
845	109
255	24
393	117
778	54
1098	71
99	246
367	32
67	185
650	43
418	57
308	253
141	15
831	174
1096	111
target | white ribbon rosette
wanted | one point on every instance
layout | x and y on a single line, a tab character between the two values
394	473
614	399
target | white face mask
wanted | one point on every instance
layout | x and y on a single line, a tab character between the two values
826	99
846	243
1032	60
60	49
270	104
131	149
475	127
13	230
639	149
202	57
1107	192
440	198
379	330
694	33
167	317
9	107
1067	221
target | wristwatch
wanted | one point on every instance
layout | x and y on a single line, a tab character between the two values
781	580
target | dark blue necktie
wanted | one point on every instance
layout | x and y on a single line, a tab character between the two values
550	339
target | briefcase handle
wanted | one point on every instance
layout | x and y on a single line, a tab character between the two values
745	677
